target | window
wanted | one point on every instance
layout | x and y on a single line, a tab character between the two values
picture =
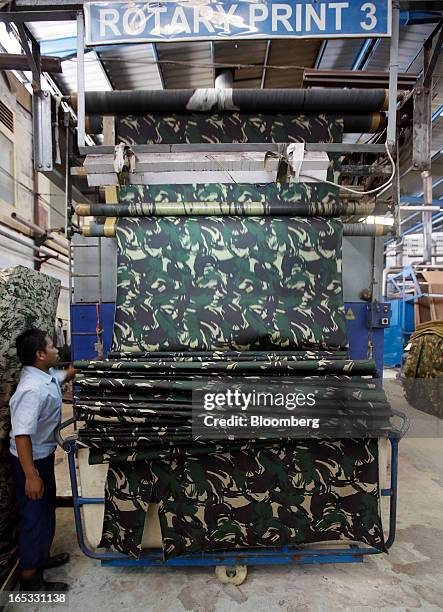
7	187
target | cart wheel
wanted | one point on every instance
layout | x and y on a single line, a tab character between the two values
231	575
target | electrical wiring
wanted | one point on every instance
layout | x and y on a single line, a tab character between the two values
379	189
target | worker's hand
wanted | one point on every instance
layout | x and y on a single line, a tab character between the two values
34	487
70	373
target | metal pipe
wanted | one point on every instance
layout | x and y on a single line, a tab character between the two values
421	208
37	229
80	81
141	102
32	226
427	216
224	80
37	249
108	230
364	170
393	76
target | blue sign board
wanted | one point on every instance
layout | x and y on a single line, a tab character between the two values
187	20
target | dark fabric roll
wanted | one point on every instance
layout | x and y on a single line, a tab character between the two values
247	100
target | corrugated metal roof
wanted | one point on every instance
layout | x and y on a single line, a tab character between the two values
191	64
411	41
95	77
340	54
53	30
132	67
290	53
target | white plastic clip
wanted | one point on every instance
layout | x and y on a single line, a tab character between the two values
295	153
119	158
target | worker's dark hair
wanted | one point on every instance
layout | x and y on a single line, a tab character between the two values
28	343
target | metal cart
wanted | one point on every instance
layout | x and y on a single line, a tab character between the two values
231	566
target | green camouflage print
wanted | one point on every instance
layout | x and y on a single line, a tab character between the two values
362	367
242	283
189	128
27	299
287	494
200	383
423	371
225	355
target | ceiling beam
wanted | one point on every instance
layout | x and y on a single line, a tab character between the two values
212	53
265	63
17	61
30	16
320	54
157	63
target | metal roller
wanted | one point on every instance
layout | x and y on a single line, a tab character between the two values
107	230
366	229
339	101
162	209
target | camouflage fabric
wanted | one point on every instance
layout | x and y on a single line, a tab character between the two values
242	283
189	128
226	355
302	199
186	384
345	394
27	299
288	494
423	371
278	366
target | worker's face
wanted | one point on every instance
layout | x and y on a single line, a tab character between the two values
48	358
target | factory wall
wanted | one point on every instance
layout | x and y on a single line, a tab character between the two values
18	186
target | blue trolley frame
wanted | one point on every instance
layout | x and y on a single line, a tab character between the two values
350	553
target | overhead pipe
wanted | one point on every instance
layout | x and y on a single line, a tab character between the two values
224	80
42	249
38	230
393	76
31	226
108	229
340	101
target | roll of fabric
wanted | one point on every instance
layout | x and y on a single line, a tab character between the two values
229	100
283	366
184	128
237	356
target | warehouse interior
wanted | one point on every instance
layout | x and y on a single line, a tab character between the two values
191	208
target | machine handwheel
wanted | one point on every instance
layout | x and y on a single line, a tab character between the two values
231	575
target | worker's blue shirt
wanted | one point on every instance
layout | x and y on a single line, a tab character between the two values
36	408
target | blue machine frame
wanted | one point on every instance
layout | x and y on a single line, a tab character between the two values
365	326
279	556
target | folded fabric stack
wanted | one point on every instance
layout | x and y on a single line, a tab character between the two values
27	299
423	371
137	415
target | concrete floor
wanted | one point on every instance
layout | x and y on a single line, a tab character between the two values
410	577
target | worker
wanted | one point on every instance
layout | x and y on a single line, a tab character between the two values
35	414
